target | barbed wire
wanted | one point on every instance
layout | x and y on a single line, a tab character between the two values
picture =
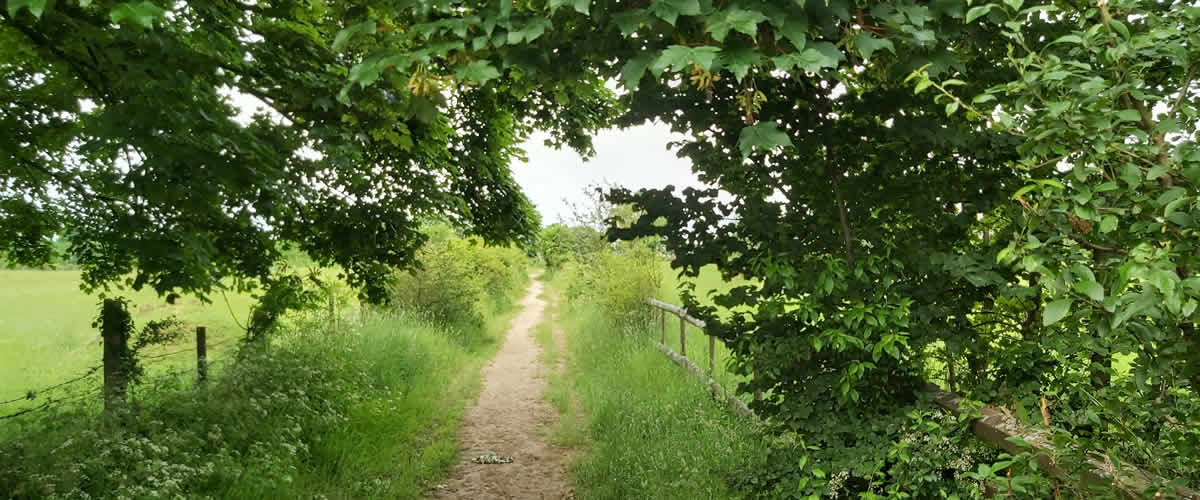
34	394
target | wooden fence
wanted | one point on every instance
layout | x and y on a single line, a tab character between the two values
996	425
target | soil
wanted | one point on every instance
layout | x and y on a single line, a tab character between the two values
510	420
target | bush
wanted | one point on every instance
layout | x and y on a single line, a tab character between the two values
460	281
616	281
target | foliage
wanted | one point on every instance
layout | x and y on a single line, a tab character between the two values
559	244
122	133
324	413
616	281
461	282
877	226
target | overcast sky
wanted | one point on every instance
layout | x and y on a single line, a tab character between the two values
634	158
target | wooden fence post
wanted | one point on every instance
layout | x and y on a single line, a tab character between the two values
115	322
682	337
662	316
712	354
201	354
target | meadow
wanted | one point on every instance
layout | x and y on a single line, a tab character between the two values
46	333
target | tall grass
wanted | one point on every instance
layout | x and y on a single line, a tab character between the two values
653	431
369	411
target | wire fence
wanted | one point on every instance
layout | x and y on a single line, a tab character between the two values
53	396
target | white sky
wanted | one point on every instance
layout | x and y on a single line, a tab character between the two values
635	158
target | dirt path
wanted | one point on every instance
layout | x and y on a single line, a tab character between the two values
510	419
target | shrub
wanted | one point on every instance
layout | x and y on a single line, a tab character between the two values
617	281
460	280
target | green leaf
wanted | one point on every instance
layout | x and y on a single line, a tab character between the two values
580	6
1091	289
1014	4
951	107
531	31
740	20
630	21
36	7
1128	115
670	10
739	61
794	28
1108	223
478	71
1157	172
634	69
1055	311
868	44
679	57
343	36
980	11
143	13
763	135
811	59
1120	28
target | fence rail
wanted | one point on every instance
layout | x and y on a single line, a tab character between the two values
996	425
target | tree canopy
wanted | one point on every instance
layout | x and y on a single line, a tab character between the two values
122	134
1000	196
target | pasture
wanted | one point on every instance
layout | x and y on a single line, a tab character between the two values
46	333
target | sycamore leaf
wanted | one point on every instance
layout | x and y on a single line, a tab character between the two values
740	20
531	31
868	44
811	59
630	21
763	135
634	69
1055	311
670	10
477	71
794	29
343	36
739	61
679	57
143	13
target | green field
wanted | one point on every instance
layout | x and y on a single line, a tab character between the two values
46	334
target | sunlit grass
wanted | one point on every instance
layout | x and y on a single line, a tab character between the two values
46	334
653	431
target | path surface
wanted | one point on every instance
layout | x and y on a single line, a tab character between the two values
511	419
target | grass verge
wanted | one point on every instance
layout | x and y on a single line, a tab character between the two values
368	411
652	430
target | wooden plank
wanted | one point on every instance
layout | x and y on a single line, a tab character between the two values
676	310
731	400
683	338
997	425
